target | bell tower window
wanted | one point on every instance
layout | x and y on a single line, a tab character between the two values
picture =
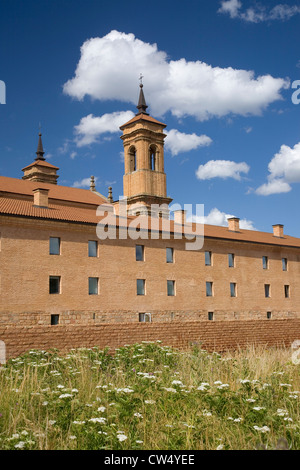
132	159
153	157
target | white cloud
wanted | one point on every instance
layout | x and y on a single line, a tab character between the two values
284	169
109	67
222	169
91	127
177	142
84	183
258	13
217	217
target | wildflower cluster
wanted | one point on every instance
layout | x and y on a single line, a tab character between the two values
146	396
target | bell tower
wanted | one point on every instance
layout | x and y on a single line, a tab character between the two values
144	181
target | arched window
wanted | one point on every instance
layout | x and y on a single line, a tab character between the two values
152	157
132	159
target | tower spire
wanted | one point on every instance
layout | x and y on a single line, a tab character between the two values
40	151
142	106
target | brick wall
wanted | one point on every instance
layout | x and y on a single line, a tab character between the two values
218	336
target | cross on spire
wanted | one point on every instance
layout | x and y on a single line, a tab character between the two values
40	151
142	106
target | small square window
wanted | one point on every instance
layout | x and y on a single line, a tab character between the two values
170	255
54	319
267	290
139	252
54	246
209	286
265	262
140	286
171	288
286	291
208	258
231	260
93	285
54	285
145	317
93	249
232	289
210	316
284	264
269	315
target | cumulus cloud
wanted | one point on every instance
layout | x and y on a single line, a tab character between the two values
222	169
84	183
259	13
109	67
217	217
177	142
92	127
284	169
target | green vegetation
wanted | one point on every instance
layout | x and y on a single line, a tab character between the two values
149	396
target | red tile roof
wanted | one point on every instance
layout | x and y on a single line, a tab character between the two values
142	117
80	205
62	193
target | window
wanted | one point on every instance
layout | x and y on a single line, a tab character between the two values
54	246
267	290
170	255
208	258
140	286
284	264
232	289
209	286
139	252
171	288
210	316
269	315
54	319
152	157
93	249
265	262
231	260
54	285
145	317
93	285
286	291
132	159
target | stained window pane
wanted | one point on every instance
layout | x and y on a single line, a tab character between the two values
232	289
54	246
209	289
140	286
93	285
208	258
93	245
169	253
231	260
284	264
139	252
171	287
265	262
54	285
267	290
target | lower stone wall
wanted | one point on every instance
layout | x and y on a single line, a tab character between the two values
210	335
92	317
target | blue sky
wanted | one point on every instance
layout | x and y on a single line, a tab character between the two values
218	73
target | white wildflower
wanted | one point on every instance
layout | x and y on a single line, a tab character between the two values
98	420
101	409
263	429
20	445
121	437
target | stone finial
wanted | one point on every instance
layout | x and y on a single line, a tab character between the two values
92	184
110	198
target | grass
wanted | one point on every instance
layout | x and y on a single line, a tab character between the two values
149	396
